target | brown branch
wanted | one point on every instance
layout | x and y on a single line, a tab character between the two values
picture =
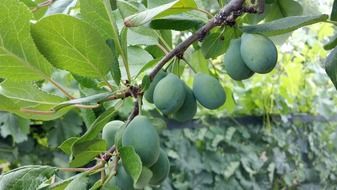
229	13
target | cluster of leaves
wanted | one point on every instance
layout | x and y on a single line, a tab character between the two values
300	156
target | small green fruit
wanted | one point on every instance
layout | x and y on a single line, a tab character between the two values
234	64
109	131
258	52
208	91
169	94
143	137
160	169
149	92
188	109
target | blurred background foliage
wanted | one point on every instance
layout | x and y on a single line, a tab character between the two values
277	130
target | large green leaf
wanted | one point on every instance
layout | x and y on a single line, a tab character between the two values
73	45
175	7
28	92
19	57
27	177
27	100
95	13
331	66
284	25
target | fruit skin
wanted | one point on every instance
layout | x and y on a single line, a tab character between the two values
109	131
234	65
258	52
188	109
208	91
148	95
141	134
160	169
122	180
169	94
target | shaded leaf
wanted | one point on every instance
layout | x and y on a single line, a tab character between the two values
14	126
85	152
284	25
68	144
68	126
331	66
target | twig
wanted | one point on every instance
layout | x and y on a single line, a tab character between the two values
43	4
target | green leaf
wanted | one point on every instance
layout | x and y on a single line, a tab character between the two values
95	13
27	100
59	130
73	45
89	137
331	66
332	43
199	62
98	125
115	70
14	126
20	59
230	102
85	152
28	92
176	22
131	162
175	7
137	57
67	145
284	25
27	177
79	183
217	43
142	36
146	82
333	15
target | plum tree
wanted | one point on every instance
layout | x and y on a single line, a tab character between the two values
258	52
234	65
143	137
208	91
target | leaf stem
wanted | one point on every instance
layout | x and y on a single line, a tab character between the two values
58	86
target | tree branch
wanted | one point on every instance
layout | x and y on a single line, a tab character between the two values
227	15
